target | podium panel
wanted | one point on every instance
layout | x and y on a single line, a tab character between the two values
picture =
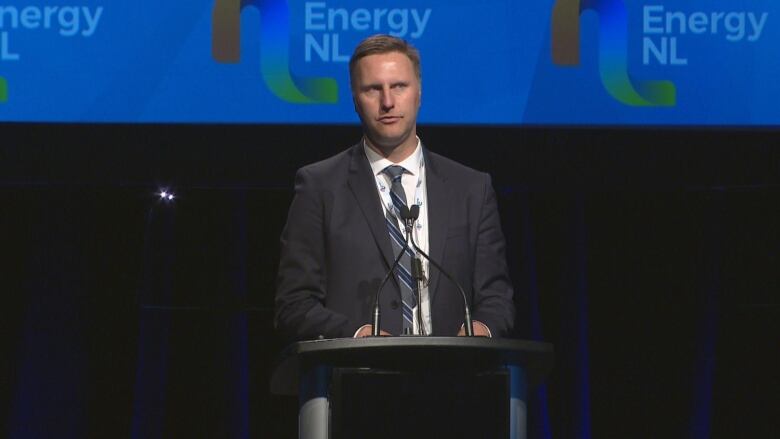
429	403
390	387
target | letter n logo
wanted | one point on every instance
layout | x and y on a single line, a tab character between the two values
613	51
274	48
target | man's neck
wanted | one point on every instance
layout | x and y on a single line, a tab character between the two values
398	153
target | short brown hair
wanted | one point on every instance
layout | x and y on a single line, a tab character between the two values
382	43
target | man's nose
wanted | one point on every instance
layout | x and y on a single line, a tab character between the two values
387	100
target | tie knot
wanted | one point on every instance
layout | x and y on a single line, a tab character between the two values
394	171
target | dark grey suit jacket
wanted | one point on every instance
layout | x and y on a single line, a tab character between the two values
335	250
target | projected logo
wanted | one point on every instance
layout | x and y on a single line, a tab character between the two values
67	21
274	46
613	51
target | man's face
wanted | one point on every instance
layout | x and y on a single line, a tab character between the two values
386	93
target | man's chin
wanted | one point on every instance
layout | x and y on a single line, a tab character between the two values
389	141
390	145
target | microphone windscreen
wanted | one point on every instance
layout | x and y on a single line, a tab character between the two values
414	211
404	211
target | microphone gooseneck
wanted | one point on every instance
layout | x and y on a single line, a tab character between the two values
417	270
405	216
409	216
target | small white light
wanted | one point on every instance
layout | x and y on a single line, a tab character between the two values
165	195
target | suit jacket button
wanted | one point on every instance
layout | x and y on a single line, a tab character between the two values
394	304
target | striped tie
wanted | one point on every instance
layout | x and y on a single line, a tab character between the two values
403	270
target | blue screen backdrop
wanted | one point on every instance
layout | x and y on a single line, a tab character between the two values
505	62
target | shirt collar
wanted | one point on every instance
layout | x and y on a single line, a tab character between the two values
378	163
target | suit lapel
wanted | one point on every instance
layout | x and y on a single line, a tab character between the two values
440	201
363	185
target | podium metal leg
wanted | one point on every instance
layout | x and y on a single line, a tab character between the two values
314	410
517	403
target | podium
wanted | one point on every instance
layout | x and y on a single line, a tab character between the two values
368	387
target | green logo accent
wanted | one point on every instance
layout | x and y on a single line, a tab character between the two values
275	50
3	89
613	51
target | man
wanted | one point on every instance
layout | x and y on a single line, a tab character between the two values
343	229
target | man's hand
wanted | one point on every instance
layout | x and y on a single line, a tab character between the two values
367	330
480	329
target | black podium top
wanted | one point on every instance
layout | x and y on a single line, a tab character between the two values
411	353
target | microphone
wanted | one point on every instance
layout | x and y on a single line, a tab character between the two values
467	314
406	216
411	216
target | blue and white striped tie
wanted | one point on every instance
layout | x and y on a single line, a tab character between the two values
403	270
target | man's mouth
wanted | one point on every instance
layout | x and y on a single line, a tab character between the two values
389	119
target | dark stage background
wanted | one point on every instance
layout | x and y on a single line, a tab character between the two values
649	257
